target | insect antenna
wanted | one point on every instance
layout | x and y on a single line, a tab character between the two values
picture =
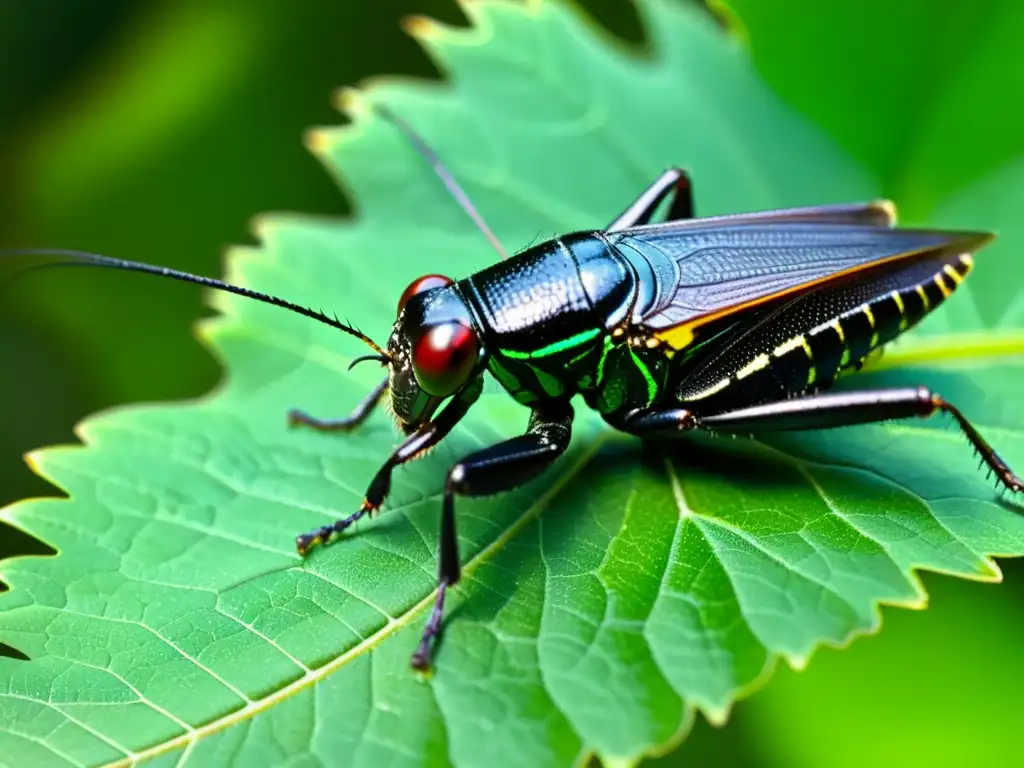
382	359
85	259
456	191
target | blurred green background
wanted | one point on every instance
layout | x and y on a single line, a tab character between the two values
155	129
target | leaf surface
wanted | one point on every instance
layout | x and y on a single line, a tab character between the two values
602	604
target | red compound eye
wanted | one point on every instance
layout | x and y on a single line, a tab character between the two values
443	357
420	285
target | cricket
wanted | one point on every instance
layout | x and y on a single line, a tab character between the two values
662	322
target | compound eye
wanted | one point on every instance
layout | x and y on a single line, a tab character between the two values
443	357
420	285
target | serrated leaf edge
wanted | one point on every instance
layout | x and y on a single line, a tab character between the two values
255	707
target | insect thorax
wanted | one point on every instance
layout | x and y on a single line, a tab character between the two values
611	372
550	313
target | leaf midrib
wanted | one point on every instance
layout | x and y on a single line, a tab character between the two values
993	344
254	707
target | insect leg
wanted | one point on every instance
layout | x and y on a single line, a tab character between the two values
358	416
674	181
414	446
499	468
846	408
649	424
822	411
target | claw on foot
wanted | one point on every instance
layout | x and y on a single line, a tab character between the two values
1015	484
304	542
421	661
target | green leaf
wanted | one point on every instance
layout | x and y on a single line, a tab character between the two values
601	605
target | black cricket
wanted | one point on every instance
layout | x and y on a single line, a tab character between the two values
732	324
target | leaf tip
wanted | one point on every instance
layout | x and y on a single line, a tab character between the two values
260	226
798	661
34	461
350	102
421	27
319	141
717	716
729	20
990	572
918	602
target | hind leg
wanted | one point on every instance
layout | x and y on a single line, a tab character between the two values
822	411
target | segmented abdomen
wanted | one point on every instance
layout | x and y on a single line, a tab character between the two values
803	344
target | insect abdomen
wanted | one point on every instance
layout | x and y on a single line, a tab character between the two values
804	344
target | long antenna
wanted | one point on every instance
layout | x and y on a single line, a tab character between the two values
85	259
421	146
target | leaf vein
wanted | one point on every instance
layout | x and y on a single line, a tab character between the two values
71	718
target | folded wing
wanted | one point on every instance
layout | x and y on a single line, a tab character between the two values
706	272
